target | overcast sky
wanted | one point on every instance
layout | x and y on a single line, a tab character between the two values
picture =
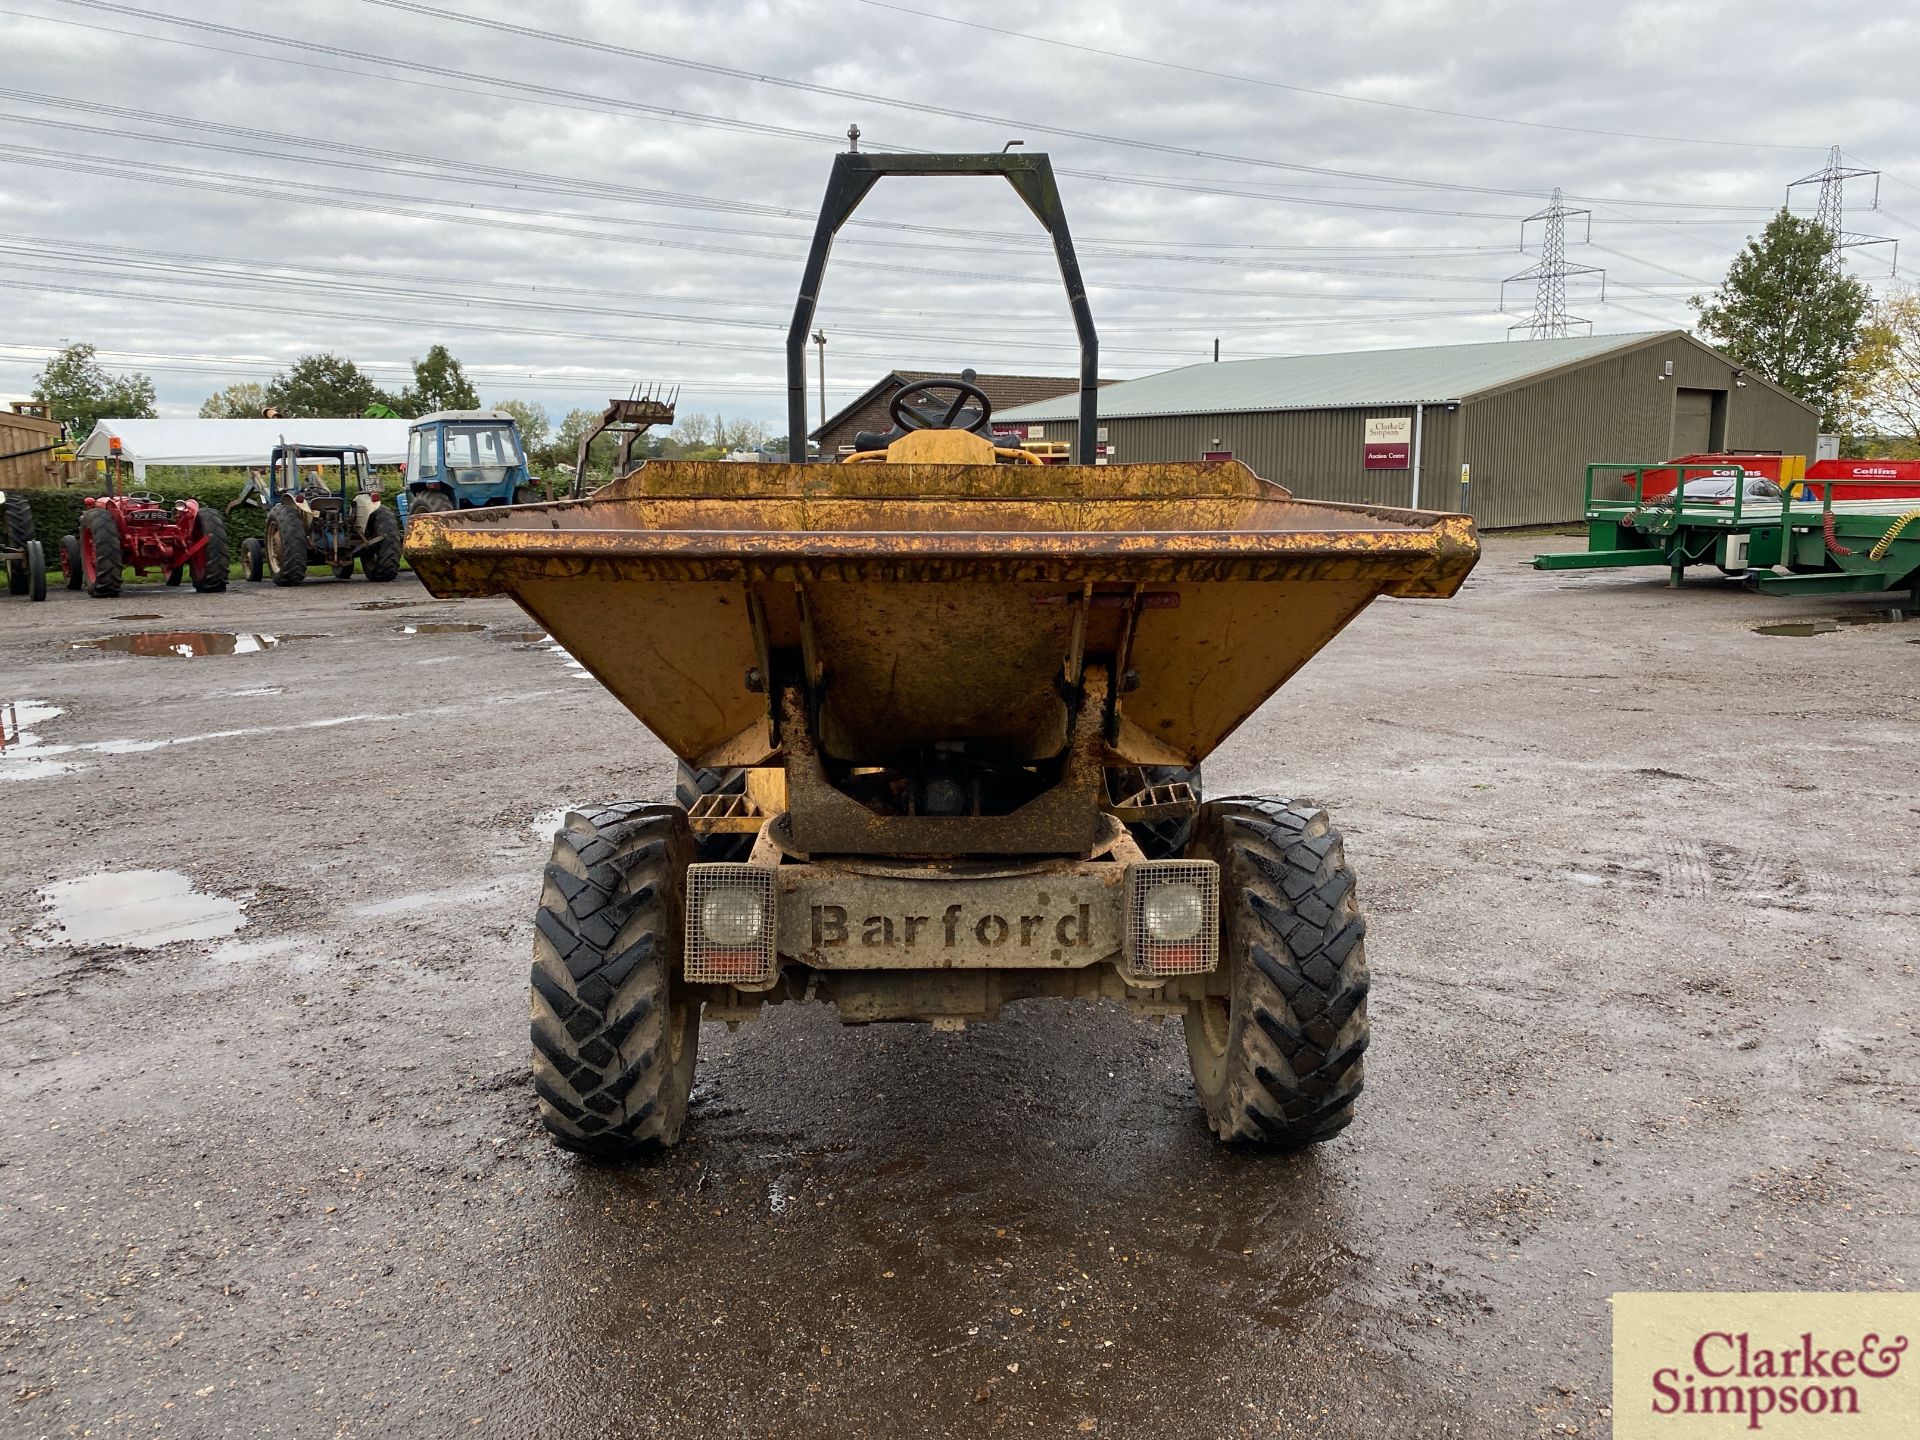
207	190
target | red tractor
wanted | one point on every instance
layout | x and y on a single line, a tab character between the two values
179	538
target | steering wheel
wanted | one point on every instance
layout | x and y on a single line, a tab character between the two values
941	405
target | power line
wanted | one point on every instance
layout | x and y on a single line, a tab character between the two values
1324	94
527	32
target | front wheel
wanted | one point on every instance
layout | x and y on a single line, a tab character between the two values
19	537
1278	1052
71	564
286	545
36	571
209	567
527	495
100	545
253	558
382	562
614	1030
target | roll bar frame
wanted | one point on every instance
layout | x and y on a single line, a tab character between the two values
854	174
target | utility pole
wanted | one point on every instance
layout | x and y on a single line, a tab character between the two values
1550	319
820	339
1829	205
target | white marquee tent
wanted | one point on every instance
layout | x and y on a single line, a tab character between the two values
237	442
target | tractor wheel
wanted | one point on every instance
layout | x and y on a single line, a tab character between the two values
102	538
343	572
19	537
286	545
253	558
614	1030
689	785
527	495
210	576
1278	1059
1160	839
36	571
71	563
174	576
382	563
429	502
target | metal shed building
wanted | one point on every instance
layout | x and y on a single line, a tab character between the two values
1503	431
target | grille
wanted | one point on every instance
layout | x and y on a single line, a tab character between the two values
1194	955
729	959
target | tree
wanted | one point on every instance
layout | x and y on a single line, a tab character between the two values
77	389
244	401
535	429
324	387
566	440
439	383
1881	391
1788	312
741	434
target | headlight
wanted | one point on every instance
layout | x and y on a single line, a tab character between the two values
732	917
1174	913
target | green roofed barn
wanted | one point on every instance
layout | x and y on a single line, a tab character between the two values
1519	420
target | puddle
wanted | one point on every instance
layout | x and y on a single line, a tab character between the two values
23	755
154	615
17	720
139	909
186	644
260	690
375	605
449	627
1802	629
521	637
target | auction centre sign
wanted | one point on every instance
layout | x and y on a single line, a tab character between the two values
1389	443
1694	1366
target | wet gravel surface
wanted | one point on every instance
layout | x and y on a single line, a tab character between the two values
1643	903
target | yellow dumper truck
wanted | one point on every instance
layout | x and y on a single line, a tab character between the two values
943	708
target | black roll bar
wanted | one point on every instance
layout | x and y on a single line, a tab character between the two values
854	174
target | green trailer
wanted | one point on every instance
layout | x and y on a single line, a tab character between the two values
1815	537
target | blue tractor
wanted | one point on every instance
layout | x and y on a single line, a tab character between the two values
465	459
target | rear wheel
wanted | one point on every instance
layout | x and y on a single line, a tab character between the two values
382	562
100	544
689	785
1160	839
429	502
527	495
36	571
210	566
286	545
1278	1058
71	563
19	518
614	1030
253	558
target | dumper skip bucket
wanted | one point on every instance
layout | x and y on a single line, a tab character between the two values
928	603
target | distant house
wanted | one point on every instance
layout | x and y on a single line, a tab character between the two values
869	410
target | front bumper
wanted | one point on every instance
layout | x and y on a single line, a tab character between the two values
1065	915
